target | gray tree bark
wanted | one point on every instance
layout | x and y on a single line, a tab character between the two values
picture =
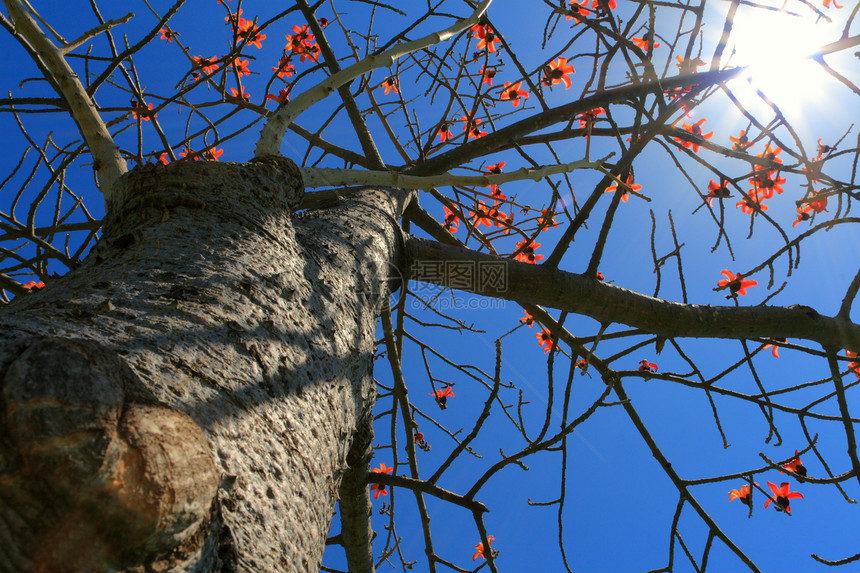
189	399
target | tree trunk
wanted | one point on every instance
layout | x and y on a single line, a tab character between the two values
188	398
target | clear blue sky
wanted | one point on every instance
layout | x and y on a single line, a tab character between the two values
619	504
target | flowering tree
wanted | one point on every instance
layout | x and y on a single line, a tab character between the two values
193	361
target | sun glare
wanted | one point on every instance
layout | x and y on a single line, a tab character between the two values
776	47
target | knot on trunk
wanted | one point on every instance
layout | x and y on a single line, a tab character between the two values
94	473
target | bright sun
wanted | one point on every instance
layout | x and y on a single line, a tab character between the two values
776	47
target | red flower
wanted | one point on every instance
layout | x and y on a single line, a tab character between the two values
487	75
774	348
391	84
545	339
472	127
163	158
804	213
451	220
479	548
822	149
33	284
167	34
590	116
744	494
208	65
547	220
378	487
442	396
643	43
795	465
599	275
577	11
529	320
482	215
136	105
595	4
688	65
625	196
767	183
241	67
526	251
582	364
740	142
445	133
557	72
753	204
323	22
853	366
302	43
770	154
285	68
717	190
782	495
645	366
495	170
514	93
835	4
695	129
282	97
735	283
234	93
487	38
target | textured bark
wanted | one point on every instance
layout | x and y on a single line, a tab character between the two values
188	399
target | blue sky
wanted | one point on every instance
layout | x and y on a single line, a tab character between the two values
619	504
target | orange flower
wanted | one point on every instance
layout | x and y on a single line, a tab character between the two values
557	72
744	494
486	37
451	220
853	366
735	283
835	4
33	284
391	84
529	320
590	116
282	97
167	34
442	396
741	142
479	548
643	43
545	339
774	348
526	252
472	127
752	205
444	132
285	68
717	190
577	12
514	93
695	129
645	366
207	65
234	94
547	220
781	496
482	215
212	154
795	465
241	67
629	183
136	106
612	4
487	75
379	488
688	65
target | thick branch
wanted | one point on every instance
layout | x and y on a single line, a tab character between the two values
553	288
106	157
